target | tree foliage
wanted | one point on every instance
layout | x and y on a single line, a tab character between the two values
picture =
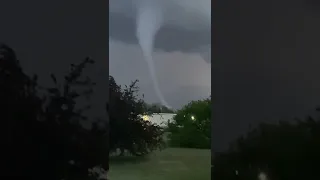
42	134
191	126
283	151
128	131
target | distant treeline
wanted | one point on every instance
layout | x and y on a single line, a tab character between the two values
157	108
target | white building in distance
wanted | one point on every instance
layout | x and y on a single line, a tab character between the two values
160	119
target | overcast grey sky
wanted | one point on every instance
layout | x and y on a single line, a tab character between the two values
182	76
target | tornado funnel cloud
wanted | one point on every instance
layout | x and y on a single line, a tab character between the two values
176	18
149	21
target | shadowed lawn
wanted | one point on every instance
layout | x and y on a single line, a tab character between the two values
169	164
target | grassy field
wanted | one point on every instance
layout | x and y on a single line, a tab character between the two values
169	164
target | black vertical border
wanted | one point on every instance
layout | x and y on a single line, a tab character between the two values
106	4
212	82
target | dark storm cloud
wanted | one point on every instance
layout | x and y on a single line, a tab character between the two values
184	30
267	64
123	27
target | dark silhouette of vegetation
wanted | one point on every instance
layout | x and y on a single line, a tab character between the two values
157	108
191	126
128	131
282	151
42	137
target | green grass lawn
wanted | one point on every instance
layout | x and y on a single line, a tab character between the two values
169	164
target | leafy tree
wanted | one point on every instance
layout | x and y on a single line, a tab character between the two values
87	148
283	151
41	135
128	131
191	126
20	108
